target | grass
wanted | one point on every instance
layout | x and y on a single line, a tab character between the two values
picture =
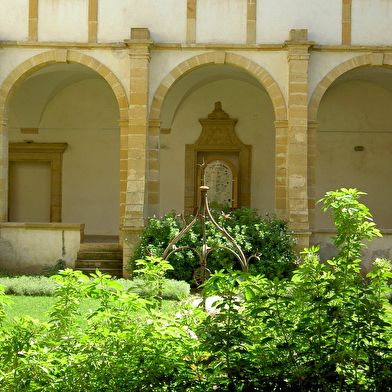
38	307
41	285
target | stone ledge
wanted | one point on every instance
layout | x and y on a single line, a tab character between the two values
42	226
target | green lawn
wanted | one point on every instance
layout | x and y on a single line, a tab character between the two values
38	307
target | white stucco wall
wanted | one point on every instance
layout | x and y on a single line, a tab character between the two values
322	19
221	21
63	20
371	22
14	20
166	19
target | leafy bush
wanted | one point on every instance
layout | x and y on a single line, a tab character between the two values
28	285
323	329
268	237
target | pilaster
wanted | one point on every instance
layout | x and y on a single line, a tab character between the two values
92	20
346	22
312	131
281	140
33	20
3	169
251	22
191	22
297	137
153	167
135	137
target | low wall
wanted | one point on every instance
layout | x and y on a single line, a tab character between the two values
379	247
28	247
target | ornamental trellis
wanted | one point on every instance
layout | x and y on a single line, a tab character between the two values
202	273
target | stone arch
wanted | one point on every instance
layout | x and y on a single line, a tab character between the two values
60	56
24	70
220	58
376	59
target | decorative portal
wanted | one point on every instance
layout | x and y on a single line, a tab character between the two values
227	159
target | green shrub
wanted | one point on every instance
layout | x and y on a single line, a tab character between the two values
44	286
323	329
268	237
28	285
172	290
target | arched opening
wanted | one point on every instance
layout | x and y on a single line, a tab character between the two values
354	140
192	98
72	104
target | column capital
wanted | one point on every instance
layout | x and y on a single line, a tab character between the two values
312	124
281	124
155	123
123	122
298	44
139	43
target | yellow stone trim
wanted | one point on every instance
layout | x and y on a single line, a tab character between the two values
346	22
251	22
211	58
191	21
92	20
372	59
33	20
33	64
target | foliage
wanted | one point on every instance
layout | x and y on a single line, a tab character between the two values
322	329
28	285
43	286
153	271
49	270
269	238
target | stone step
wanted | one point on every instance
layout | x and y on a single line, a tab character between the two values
105	257
104	247
99	264
99	255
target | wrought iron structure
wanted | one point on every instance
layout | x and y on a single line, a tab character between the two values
203	213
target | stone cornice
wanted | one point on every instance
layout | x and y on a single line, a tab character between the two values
190	47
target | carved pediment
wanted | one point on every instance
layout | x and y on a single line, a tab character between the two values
218	129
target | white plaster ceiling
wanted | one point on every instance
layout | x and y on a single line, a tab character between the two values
39	89
196	79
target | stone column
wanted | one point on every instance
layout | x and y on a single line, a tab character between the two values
137	140
153	167
4	169
312	131
281	131
297	143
